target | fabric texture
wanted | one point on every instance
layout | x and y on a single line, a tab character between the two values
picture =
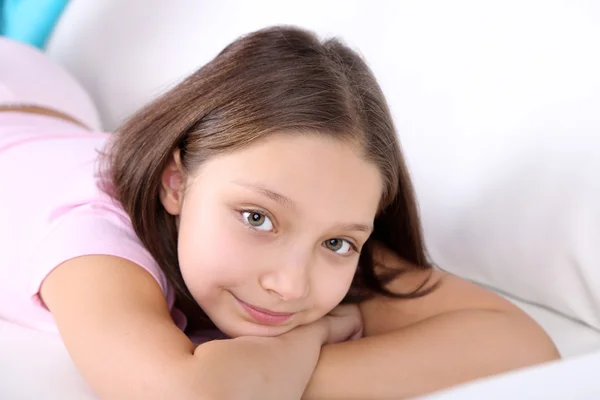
30	21
54	210
29	77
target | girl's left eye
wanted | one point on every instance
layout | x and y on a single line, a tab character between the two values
339	246
258	220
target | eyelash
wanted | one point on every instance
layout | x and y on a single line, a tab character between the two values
241	212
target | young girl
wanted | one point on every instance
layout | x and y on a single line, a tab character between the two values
245	204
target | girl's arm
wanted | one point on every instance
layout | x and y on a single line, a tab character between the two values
116	325
457	333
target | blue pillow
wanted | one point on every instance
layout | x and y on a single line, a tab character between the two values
30	21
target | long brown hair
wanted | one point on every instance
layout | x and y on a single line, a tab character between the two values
278	79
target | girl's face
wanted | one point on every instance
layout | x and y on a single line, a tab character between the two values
269	235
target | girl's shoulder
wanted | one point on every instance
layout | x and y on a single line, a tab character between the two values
57	210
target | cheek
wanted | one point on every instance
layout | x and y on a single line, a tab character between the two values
332	286
209	251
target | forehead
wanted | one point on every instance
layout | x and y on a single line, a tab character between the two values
321	175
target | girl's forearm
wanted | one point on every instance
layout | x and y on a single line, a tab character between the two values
430	355
261	368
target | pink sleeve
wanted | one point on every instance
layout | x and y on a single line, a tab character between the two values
92	229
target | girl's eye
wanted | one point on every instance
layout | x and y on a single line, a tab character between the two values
258	221
339	246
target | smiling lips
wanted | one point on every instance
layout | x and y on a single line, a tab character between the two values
263	316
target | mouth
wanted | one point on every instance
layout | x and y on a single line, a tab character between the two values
264	316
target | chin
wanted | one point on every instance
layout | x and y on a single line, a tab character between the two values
245	328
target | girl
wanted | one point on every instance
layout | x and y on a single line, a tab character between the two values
246	204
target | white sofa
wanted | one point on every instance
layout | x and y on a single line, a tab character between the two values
496	105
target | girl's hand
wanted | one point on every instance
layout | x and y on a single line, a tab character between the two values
343	323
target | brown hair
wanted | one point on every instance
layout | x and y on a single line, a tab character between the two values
274	80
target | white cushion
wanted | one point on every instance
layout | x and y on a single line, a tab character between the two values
36	365
574	379
496	105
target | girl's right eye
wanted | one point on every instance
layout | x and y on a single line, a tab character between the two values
257	221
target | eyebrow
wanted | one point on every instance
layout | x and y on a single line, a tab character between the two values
277	197
289	203
356	227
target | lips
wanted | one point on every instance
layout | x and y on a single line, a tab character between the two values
263	316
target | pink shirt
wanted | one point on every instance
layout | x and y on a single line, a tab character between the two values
52	210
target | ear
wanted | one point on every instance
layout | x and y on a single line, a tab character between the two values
172	185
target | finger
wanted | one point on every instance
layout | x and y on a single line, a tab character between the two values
357	335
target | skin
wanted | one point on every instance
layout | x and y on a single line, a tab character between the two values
288	264
458	332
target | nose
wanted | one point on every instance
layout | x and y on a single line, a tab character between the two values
288	280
